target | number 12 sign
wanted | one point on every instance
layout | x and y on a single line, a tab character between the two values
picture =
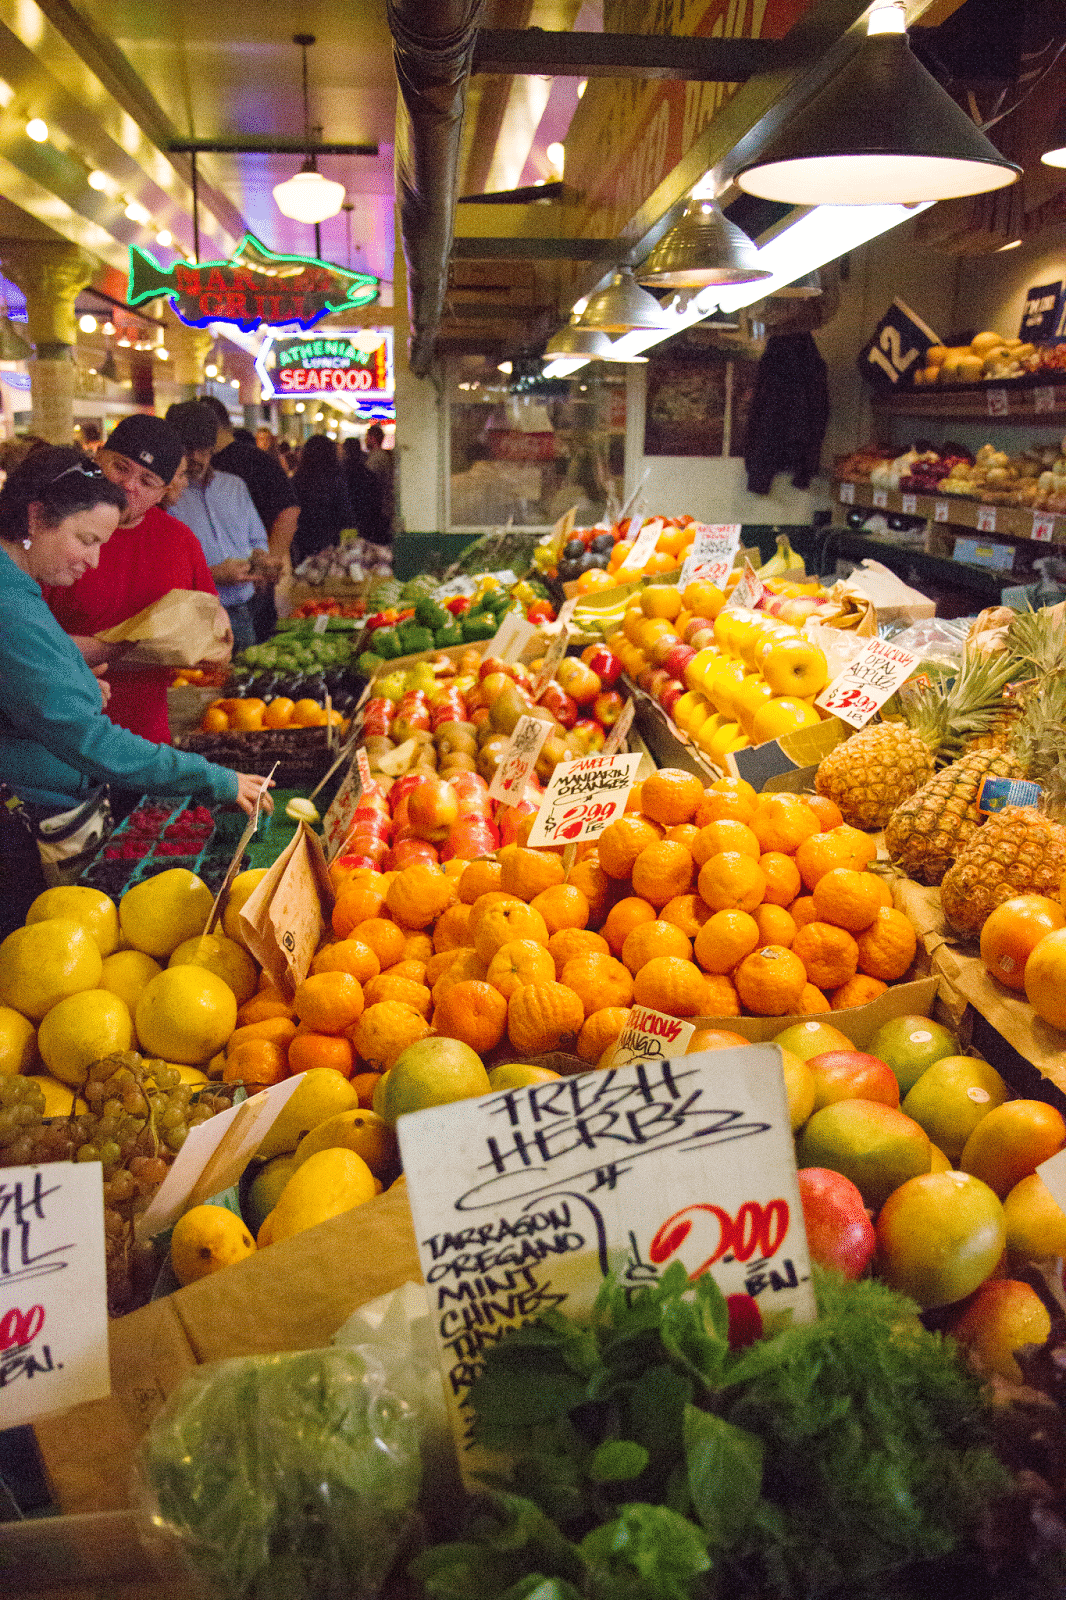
583	797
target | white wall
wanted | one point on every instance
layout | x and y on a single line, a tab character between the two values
992	288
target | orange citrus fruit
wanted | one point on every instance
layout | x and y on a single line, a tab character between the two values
888	946
386	986
347	955
562	906
770	981
782	822
847	898
730	881
329	1002
829	954
502	923
600	1030
527	872
838	847
1012	932
474	1012
544	1016
385	938
478	878
666	983
598	981
858	991
623	917
782	877
517	962
661	871
727	834
775	925
725	939
567	943
687	912
671	795
384	1031
621	842
651	939
309	1051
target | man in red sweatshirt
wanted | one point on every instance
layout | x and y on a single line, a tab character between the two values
149	553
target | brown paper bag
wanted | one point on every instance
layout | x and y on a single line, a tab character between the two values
285	916
180	630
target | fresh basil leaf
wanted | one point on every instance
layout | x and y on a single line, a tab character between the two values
616	1461
646	1553
537	1588
725	1466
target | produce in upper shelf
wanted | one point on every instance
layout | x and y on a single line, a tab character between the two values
1034	477
988	358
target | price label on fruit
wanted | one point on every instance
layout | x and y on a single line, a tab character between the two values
583	797
649	1035
986	519
909	504
552	657
714	550
941	511
511	637
687	1159
643	549
1043	527
518	760
53	1290
872	678
847	494
998	402
880	498
748	592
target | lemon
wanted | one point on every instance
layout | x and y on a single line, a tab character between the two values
157	915
265	1189
205	1240
432	1072
81	1029
44	963
223	956
324	1092
185	1015
126	973
96	912
517	1075
239	891
327	1183
362	1131
951	1097
59	1099
18	1042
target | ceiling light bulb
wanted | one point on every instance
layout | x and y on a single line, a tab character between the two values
98	180
556	154
165	238
109	328
164	355
37	130
87	324
703	248
1012	244
235	383
299	407
309	197
211	371
1055	155
582	86
136	212
505	367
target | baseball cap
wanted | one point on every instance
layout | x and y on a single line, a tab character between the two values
195	423
149	440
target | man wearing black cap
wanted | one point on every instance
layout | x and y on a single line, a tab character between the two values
219	510
148	554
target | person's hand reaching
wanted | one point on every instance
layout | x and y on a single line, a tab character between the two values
105	687
249	785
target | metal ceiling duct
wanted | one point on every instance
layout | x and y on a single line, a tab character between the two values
433	42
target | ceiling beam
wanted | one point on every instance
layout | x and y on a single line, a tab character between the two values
244	145
622	55
497	249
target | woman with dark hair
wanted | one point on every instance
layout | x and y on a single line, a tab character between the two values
364	495
320	489
56	746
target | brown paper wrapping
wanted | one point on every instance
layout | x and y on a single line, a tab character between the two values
285	916
182	629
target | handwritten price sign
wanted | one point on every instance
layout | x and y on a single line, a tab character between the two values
714	550
53	1291
583	797
518	760
872	678
650	1035
523	1200
643	549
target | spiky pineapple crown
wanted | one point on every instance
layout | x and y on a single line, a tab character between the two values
946	713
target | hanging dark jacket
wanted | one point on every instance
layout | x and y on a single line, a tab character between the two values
789	412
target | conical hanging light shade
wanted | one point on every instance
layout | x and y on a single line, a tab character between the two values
623	306
882	132
13	347
1055	155
577	341
704	247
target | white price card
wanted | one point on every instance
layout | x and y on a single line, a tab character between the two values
748	592
518	760
53	1290
714	550
909	504
643	549
523	1200
1044	399
872	678
616	738
1043	527
847	494
583	797
550	666
511	637
880	498
998	402
941	511
321	624
651	1035
345	804
214	1155
986	519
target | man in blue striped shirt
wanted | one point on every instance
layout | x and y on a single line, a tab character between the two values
219	510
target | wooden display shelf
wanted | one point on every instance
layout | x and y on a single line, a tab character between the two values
956	511
1000	402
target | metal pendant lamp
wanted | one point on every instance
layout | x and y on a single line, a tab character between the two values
623	306
703	248
574	340
882	132
308	196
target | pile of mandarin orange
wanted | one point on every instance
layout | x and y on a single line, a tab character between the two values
698	903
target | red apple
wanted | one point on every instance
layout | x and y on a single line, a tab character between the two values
432	807
700	638
559	703
379	704
492	664
408	722
346	865
852	1075
839	1231
510	817
591	730
670	694
469	838
605	664
469	783
607	707
676	660
372	822
372	799
521	674
410	852
375	850
403	787
479	715
577	680
657	681
661	647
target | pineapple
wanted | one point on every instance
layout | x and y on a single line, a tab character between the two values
1039	739
926	833
870	774
1018	851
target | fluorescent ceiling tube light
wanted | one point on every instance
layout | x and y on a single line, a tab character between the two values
98	180
704	247
624	305
564	366
883	131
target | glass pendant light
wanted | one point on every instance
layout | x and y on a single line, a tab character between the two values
883	131
703	248
308	196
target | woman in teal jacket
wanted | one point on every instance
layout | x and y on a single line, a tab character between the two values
56	744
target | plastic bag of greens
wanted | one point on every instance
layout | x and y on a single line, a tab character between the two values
286	1477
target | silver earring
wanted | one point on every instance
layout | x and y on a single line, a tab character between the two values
26	543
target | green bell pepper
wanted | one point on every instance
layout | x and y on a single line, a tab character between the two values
478	625
387	643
